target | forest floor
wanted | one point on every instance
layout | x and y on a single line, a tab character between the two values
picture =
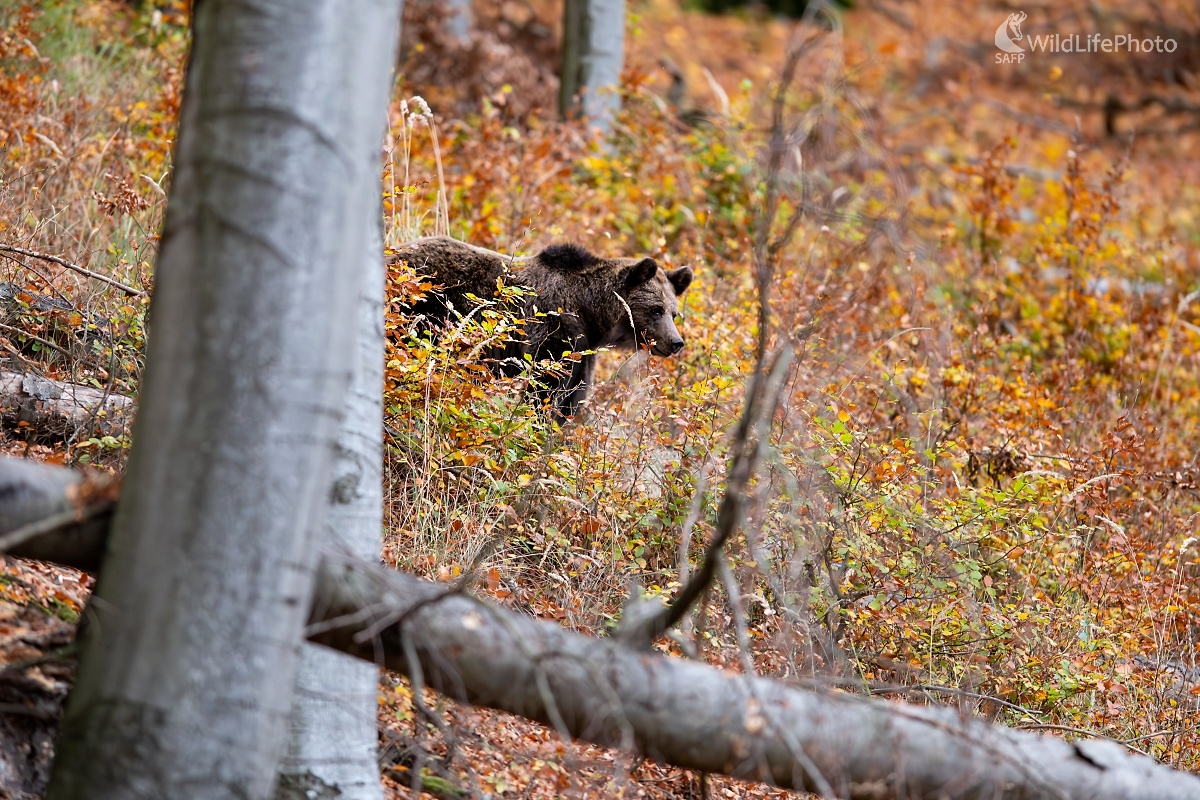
981	484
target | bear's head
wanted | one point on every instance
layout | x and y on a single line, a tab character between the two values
652	296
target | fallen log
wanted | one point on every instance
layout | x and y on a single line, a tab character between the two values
54	514
55	409
694	716
678	712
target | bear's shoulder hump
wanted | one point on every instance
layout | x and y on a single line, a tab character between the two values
567	257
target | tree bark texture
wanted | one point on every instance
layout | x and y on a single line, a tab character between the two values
76	509
680	712
192	637
332	748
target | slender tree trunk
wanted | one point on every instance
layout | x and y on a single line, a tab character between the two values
332	742
332	747
593	54
459	23
603	61
193	634
574	44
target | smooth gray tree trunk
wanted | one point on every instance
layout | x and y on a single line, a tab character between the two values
332	747
332	741
458	25
593	54
193	634
697	717
603	60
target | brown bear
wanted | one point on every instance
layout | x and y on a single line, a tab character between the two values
600	302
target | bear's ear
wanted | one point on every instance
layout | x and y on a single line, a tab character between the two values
680	279
640	272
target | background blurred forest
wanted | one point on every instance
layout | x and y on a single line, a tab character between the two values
981	485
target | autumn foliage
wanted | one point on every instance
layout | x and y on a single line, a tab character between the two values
980	485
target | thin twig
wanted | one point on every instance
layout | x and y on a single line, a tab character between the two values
1157	734
36	338
62	262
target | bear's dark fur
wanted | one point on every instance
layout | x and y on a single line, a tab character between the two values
600	302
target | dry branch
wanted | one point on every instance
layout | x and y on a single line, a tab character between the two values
55	408
62	262
677	712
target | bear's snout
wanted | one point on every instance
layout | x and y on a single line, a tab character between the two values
667	346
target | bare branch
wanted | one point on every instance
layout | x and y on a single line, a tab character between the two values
640	629
62	262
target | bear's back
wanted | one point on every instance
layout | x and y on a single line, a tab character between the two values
461	269
556	274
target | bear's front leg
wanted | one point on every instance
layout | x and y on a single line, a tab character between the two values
575	387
